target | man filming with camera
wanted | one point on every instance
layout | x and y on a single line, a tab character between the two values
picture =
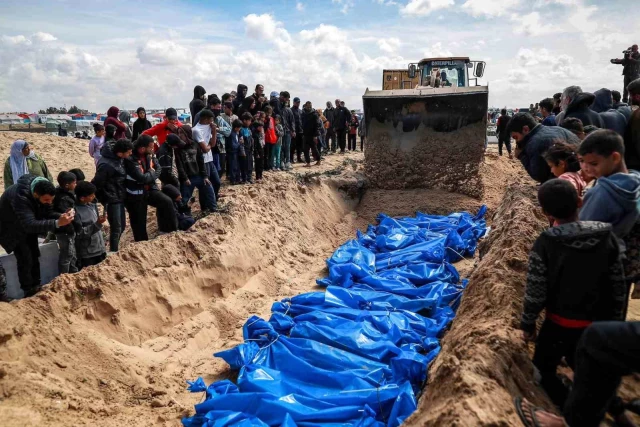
631	70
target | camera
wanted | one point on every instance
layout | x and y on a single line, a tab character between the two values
627	52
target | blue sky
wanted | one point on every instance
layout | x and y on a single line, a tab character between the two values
133	53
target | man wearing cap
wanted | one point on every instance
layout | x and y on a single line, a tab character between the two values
163	129
297	140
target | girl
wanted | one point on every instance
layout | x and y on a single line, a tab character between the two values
270	137
96	143
275	152
141	124
563	161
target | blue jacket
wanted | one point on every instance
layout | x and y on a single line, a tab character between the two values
550	120
615	200
536	143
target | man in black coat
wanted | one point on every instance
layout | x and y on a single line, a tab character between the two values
631	68
329	114
342	117
297	139
310	131
533	140
25	212
109	180
578	106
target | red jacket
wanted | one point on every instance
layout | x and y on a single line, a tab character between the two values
112	119
160	131
270	132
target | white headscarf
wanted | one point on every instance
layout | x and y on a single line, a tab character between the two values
17	160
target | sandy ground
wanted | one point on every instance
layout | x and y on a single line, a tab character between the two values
113	344
60	154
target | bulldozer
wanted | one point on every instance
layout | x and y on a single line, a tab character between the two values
432	135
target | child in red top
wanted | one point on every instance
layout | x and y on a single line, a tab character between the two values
563	161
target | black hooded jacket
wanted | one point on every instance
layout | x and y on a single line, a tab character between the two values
612	119
110	176
245	106
342	118
140	125
329	114
21	214
310	123
579	109
239	98
141	174
631	65
197	103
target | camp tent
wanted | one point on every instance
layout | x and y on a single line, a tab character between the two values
10	119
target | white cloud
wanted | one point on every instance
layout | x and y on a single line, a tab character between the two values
532	25
299	6
389	45
490	8
386	2
15	40
162	52
43	37
436	51
424	7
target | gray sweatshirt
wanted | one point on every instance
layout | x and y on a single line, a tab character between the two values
89	240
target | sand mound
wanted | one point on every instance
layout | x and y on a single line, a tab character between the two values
112	345
60	154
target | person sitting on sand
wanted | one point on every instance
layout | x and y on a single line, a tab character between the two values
576	275
606	352
23	160
182	209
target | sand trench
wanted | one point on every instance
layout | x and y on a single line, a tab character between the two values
114	344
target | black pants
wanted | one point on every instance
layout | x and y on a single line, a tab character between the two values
296	148
625	92
87	262
342	139
606	352
555	342
27	255
352	142
117	224
506	142
331	135
137	209
259	160
267	155
309	144
362	143
223	164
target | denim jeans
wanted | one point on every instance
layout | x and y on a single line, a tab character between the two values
212	174
275	155
117	224
207	196
285	155
67	261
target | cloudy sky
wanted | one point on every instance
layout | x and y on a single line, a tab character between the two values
135	53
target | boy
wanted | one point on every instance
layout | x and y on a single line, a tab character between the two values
205	134
183	211
79	174
88	226
65	236
235	151
615	198
192	174
575	273
246	160
275	152
96	143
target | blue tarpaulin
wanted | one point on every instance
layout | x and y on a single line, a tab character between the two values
357	353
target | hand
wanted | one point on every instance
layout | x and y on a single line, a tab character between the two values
529	336
187	183
207	182
66	218
102	219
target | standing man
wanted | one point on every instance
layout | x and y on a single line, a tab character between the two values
502	131
632	135
631	68
261	100
329	114
342	118
289	126
310	128
197	103
296	143
25	212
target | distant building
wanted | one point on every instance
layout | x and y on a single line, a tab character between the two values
10	119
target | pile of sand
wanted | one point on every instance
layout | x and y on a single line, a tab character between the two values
59	153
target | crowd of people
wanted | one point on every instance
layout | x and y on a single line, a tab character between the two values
237	137
584	150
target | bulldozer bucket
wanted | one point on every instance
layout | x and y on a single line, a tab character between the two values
426	138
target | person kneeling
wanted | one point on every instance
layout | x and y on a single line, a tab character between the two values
183	211
90	246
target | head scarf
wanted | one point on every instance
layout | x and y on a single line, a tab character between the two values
124	116
17	160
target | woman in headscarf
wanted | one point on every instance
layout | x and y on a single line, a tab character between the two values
112	119
125	117
141	124
23	160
